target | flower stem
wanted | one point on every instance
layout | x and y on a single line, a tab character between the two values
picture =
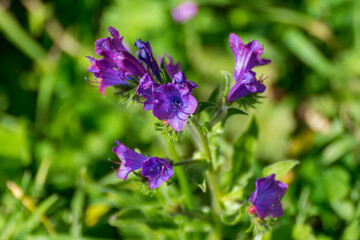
184	163
203	145
180	174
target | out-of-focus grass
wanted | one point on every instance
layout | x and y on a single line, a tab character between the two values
56	132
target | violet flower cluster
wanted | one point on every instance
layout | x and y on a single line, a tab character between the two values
156	170
171	102
267	197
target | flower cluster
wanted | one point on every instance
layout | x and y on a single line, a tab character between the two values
247	56
267	197
167	93
156	170
170	101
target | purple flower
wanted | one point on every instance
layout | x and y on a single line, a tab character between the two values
145	55
117	65
184	11
185	86
173	105
156	170
247	56
267	197
170	68
145	90
130	160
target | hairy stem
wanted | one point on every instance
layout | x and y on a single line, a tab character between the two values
180	174
203	144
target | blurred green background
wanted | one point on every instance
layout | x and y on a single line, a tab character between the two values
57	132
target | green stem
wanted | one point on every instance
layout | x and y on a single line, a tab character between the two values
184	163
203	145
217	116
180	174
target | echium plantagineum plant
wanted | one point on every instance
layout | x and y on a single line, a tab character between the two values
162	87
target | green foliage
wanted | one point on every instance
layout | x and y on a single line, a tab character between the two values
280	168
57	132
196	173
244	153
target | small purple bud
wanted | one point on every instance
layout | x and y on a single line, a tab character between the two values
145	55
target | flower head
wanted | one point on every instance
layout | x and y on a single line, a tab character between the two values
117	65
156	170
247	56
184	11
173	105
267	197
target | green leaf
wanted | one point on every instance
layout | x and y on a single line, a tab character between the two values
244	152
280	168
228	80
164	73
196	172
234	216
232	111
204	105
337	149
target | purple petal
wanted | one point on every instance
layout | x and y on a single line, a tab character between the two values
247	56
130	160
145	55
171	105
189	104
145	90
183	84
128	64
157	170
109	46
267	197
178	121
171	68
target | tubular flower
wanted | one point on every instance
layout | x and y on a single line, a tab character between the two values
156	170
117	65
170	67
145	55
247	56
173	105
267	197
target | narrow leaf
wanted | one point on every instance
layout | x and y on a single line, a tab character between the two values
204	105
196	172
280	168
